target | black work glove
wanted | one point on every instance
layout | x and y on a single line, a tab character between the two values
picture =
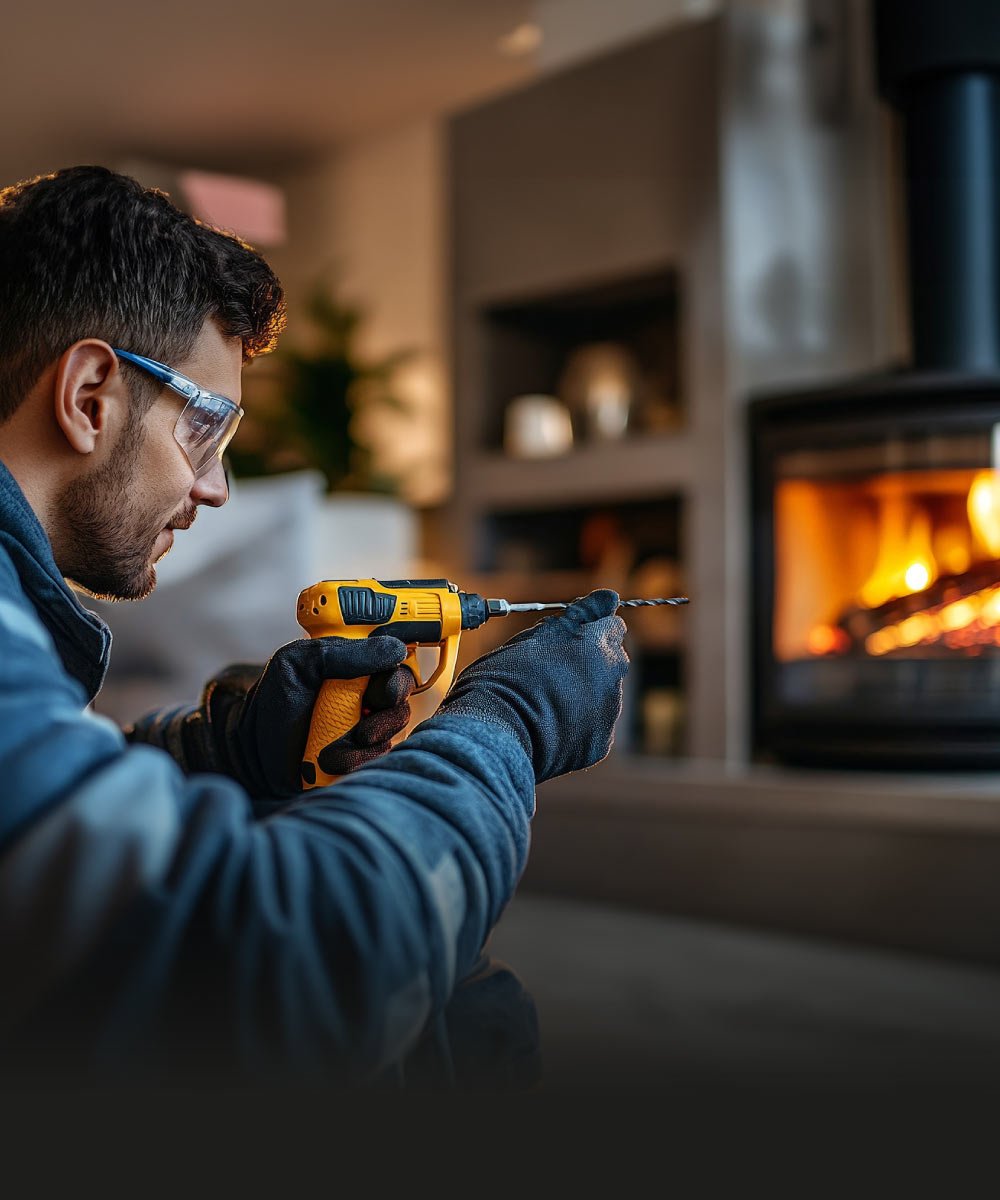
557	686
252	723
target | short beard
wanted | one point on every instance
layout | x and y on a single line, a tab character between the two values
100	527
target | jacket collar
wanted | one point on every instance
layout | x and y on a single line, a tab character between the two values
81	637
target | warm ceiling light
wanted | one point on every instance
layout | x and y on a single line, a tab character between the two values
524	39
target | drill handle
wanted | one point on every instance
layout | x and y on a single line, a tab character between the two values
338	707
336	711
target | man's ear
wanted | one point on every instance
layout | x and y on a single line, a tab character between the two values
89	393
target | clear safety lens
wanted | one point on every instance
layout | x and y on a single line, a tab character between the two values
205	428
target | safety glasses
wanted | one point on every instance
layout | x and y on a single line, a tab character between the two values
208	421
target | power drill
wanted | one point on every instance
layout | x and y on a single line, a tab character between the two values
420	612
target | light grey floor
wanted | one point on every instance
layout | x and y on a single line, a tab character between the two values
641	1001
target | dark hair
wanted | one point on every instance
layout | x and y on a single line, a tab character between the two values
88	252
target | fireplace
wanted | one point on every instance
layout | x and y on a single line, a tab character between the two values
876	503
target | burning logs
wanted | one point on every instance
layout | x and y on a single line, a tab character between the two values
953	612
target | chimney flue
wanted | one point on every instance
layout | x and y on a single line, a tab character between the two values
938	64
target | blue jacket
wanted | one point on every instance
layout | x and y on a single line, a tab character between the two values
150	923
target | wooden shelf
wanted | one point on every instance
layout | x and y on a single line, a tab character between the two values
611	471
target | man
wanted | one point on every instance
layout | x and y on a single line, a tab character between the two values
191	914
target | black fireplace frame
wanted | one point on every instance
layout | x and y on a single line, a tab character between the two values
906	403
938	67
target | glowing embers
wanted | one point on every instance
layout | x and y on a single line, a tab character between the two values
968	625
896	563
828	639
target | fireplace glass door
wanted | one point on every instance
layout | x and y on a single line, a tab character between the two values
877	626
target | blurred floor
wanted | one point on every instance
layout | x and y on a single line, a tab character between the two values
642	1002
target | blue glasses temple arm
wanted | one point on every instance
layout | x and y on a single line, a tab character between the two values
180	383
148	364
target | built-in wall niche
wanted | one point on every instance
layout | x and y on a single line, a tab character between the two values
609	352
606	542
654	718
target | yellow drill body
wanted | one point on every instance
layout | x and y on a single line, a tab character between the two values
420	612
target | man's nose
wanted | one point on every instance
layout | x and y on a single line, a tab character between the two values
212	488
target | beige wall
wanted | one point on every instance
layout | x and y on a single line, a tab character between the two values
371	216
580	29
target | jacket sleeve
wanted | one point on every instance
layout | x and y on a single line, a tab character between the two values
145	915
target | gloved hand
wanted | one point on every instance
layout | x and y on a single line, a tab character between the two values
253	723
557	686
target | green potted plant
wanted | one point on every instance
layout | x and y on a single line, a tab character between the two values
312	419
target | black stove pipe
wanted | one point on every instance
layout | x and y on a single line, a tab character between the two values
938	65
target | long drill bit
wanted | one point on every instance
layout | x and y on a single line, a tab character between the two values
536	607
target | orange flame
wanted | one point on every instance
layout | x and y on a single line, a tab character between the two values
905	562
984	510
972	621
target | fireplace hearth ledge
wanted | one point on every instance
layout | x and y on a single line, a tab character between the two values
890	860
715	790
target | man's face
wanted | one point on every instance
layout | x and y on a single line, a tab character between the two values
119	519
